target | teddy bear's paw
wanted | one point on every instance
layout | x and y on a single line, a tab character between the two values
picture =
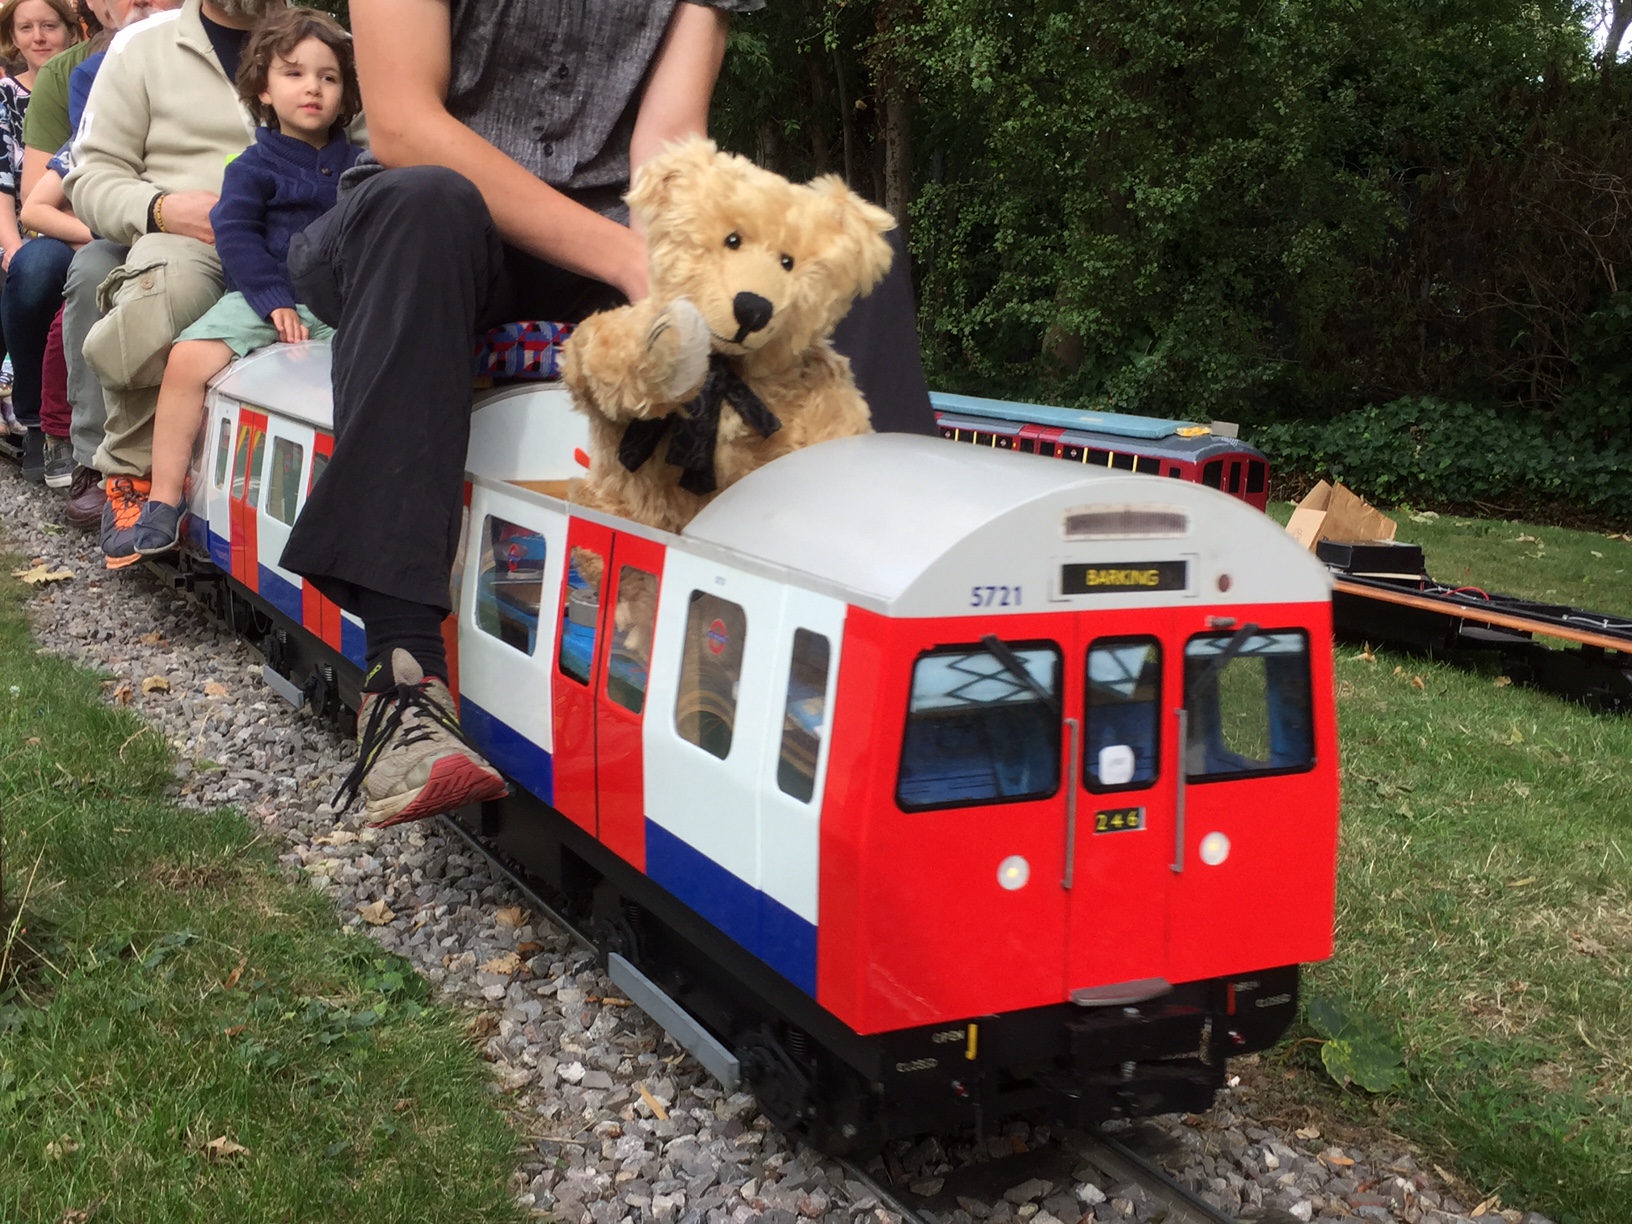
679	342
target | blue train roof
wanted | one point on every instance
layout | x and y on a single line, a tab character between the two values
1118	424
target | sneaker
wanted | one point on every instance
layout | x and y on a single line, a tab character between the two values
34	455
158	530
59	462
126	496
86	498
413	761
8	417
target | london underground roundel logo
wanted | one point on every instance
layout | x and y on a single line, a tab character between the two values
718	636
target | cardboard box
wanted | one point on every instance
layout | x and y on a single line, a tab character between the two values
1331	512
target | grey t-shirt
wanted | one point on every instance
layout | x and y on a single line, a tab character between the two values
556	84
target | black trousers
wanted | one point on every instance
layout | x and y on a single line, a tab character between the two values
408	270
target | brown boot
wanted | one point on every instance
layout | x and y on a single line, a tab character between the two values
86	498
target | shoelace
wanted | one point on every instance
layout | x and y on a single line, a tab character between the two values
127	502
381	725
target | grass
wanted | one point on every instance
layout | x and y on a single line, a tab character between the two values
1485	894
184	1033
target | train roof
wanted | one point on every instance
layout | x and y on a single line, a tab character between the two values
289	379
913	526
1117	424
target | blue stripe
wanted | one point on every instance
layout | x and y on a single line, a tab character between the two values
281	593
221	552
513	753
761	924
1121	424
352	642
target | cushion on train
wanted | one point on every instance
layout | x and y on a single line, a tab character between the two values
529	350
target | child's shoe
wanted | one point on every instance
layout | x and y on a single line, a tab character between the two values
126	497
158	529
8	417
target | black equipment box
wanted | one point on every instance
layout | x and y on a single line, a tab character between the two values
1377	557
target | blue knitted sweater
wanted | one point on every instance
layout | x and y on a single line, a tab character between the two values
273	190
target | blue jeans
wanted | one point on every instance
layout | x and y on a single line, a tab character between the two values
32	297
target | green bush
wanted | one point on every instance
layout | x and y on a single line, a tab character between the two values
1427	452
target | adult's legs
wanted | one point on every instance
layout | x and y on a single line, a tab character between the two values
56	418
880	336
166	283
32	297
92	264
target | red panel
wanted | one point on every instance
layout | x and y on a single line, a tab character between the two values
1271	901
1118	924
574	758
245	533
620	773
919	890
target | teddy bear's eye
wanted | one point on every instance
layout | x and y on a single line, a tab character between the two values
787	263
733	241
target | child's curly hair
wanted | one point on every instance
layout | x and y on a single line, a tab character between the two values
8	26
278	36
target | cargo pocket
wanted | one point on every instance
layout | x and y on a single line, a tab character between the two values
127	347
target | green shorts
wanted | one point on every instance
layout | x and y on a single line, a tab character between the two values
233	322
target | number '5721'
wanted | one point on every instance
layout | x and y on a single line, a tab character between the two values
994	597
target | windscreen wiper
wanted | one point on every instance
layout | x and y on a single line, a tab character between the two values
1219	662
1004	654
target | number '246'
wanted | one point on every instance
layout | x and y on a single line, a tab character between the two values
994	597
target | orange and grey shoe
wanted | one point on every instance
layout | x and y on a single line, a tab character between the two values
413	761
126	496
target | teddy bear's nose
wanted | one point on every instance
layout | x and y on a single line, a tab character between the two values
753	312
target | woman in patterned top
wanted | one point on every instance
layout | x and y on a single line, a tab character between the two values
31	31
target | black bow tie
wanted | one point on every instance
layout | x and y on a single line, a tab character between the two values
691	445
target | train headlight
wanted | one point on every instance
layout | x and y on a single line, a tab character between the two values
1013	872
1215	848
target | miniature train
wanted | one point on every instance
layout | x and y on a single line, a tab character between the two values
1182	450
911	785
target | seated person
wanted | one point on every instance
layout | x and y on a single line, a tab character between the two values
162	122
299	79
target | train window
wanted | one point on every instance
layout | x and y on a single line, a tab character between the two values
320	462
1250	712
1212	474
240	461
1124	715
1122	460
223	452
1175	472
257	457
705	711
1255	476
1148	465
977	733
510	583
1235	477
583	614
283	493
632	638
804	716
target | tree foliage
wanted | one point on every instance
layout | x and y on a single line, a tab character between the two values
1244	208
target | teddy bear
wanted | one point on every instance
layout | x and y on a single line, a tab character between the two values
728	364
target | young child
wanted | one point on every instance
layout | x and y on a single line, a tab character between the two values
299	77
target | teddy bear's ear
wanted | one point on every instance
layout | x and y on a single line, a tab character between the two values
864	228
666	174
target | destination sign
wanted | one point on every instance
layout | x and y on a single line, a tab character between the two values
1120	577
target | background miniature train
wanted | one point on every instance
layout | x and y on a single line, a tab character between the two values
912	786
1182	450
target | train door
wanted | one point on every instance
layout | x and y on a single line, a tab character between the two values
218	517
1252	837
579	628
319	613
285	480
245	496
621	680
1122	845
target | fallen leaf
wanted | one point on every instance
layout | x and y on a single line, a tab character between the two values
483	1025
404	1105
1596	553
506	964
1586	944
1503	681
232	978
1448	1178
215	689
653	1104
155	684
63	1145
151	639
1526	539
529	949
377	914
1524	883
221	1148
1490	1204
1418	683
78	1215
40	575
32	741
510	916
1309	1132
123	694
235	1030
1336	1159
1427	516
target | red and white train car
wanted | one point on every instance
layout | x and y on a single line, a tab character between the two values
914	783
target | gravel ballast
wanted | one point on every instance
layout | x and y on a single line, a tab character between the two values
615	1124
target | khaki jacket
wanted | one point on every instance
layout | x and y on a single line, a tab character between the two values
161	117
